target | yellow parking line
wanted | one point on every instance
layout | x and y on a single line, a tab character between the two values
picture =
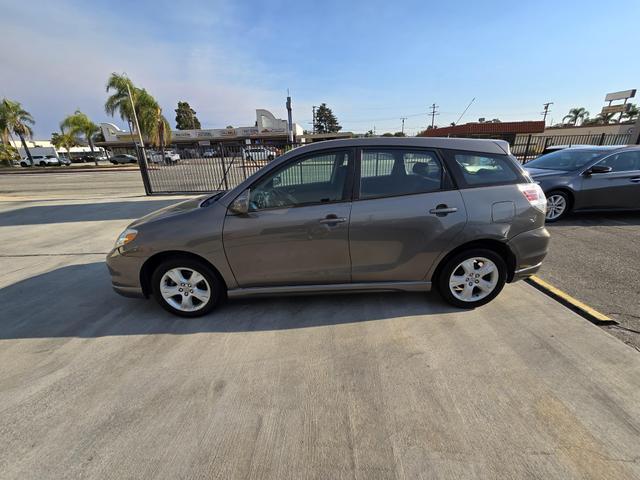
564	297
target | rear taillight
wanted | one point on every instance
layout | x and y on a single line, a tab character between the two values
534	194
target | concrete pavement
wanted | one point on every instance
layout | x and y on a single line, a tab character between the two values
94	385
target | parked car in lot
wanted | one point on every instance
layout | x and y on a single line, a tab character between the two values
63	160
258	153
376	214
588	178
40	161
122	158
170	157
211	153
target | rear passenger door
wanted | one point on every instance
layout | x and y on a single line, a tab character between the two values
405	212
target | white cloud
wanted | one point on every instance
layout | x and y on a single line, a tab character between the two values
57	58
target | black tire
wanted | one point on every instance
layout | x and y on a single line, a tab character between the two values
24	164
451	266
42	164
216	286
567	200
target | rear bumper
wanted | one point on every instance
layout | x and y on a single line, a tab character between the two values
529	248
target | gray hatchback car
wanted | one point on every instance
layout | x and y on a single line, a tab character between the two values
360	215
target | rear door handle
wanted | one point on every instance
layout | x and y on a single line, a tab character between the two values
330	219
635	179
442	210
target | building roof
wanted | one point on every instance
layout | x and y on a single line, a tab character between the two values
487	128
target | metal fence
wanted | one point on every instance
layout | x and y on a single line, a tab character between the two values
204	169
223	166
528	147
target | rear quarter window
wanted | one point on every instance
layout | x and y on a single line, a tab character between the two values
481	169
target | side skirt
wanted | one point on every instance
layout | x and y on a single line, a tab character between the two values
330	288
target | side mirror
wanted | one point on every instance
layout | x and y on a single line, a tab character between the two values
598	169
240	206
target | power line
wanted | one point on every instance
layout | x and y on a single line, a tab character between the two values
465	110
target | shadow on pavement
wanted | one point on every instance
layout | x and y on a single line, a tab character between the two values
42	214
611	219
77	301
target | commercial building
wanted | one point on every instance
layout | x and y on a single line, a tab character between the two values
497	130
267	129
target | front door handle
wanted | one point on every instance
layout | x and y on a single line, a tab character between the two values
331	219
442	210
635	179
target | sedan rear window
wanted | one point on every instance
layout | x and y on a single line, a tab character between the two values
480	169
566	160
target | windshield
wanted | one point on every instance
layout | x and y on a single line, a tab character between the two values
566	160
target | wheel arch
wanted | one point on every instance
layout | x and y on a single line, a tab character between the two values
153	261
496	246
564	189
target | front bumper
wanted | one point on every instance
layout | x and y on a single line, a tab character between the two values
125	273
529	248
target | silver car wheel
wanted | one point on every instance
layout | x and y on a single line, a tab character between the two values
185	289
556	205
474	279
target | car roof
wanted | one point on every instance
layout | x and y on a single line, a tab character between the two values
466	144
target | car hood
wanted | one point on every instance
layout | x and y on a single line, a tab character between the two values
543	172
171	210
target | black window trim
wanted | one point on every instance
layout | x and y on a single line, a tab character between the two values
456	169
447	182
346	191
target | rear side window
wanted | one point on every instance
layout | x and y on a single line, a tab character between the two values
479	169
391	172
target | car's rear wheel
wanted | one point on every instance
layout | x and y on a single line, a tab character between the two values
186	287
558	206
472	278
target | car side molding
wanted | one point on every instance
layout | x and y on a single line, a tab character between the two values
417	286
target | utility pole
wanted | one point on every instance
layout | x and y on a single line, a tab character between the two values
289	118
403	119
546	111
434	112
314	118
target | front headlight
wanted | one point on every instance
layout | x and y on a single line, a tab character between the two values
125	237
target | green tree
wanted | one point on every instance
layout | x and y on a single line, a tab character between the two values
578	114
153	125
387	134
326	121
66	140
8	153
632	113
399	134
186	117
80	124
15	120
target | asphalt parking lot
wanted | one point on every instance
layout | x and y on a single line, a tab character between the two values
94	385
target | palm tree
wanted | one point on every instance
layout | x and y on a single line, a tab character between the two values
153	125
14	119
66	140
80	123
578	114
604	118
119	100
632	113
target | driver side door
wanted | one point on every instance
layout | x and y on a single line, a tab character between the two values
296	229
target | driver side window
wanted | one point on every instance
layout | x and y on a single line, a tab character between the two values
315	179
623	162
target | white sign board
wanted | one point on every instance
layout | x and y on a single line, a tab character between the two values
620	95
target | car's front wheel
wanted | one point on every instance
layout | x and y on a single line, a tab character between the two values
472	278
558	206
186	287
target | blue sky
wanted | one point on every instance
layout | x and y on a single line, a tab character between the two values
372	62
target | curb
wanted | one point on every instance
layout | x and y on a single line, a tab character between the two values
70	171
582	309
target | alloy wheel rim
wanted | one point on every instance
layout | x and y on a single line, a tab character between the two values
473	279
185	289
556	205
